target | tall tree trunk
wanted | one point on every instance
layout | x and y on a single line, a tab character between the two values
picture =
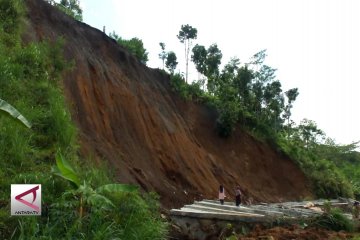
186	76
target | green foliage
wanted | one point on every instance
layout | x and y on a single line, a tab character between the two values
10	18
6	107
327	207
229	109
171	62
64	170
178	84
107	211
134	45
188	91
335	220
30	79
328	180
140	219
346	159
207	62
213	61
162	54
186	34
291	95
110	215
70	7
199	58
249	94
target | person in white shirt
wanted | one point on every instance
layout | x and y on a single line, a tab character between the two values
221	194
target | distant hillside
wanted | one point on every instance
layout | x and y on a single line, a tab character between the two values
128	115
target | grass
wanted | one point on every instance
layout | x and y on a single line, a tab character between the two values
30	80
335	220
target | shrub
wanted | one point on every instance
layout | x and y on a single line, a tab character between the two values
335	220
29	80
179	85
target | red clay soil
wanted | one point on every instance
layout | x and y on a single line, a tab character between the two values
127	115
295	232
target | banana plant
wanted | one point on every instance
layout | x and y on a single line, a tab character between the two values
6	107
87	195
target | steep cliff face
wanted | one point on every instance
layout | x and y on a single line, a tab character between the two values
128	115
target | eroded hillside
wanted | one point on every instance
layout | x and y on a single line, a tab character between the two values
127	115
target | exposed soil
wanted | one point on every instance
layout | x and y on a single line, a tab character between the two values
294	232
128	116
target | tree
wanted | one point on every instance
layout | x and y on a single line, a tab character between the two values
162	54
72	8
265	74
274	102
309	133
171	62
229	108
135	46
114	35
258	58
207	62
291	97
186	34
213	61
242	81
199	58
232	66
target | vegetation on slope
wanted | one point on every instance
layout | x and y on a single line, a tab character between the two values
70	7
249	95
134	45
30	80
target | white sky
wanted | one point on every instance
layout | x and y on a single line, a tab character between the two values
314	44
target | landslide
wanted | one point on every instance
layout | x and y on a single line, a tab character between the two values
128	115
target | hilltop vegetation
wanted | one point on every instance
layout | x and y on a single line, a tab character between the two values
88	205
30	80
250	97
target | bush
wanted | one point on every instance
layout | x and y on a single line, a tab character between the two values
179	85
228	117
328	181
29	80
335	220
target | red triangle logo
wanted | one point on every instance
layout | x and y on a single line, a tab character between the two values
33	191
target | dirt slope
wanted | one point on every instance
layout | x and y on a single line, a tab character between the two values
128	115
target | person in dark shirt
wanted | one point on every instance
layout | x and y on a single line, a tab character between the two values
237	196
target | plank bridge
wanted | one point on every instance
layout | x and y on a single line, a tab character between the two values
206	218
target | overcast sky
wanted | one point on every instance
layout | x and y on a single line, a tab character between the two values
314	44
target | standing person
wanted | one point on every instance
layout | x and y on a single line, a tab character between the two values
237	196
221	194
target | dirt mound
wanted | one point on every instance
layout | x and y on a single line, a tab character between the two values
128	116
295	232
